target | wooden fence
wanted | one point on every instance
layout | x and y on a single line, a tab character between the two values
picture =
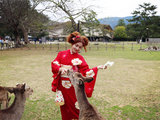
58	46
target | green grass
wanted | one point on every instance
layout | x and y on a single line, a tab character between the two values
133	113
127	91
41	109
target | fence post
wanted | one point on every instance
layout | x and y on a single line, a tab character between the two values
28	47
89	47
1	47
123	46
50	46
65	45
140	46
21	47
35	46
7	46
58	47
132	47
43	46
106	46
115	46
97	47
14	45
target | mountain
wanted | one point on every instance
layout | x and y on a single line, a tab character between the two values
113	21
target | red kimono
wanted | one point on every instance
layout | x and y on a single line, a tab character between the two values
69	110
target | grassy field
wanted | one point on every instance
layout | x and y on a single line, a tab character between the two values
129	90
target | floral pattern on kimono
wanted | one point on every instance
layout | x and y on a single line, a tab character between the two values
69	110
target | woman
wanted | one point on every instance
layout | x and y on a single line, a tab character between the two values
71	59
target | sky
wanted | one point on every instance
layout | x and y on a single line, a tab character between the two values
112	8
118	8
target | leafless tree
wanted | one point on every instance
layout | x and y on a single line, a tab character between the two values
68	8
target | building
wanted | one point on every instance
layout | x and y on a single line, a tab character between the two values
154	40
59	31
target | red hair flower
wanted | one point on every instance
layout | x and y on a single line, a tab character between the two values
75	37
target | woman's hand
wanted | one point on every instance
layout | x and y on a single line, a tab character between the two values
62	70
102	66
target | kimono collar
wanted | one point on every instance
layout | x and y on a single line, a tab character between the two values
71	51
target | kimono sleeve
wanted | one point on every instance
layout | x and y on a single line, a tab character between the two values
84	69
55	65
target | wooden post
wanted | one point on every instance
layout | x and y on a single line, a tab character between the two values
89	46
35	46
43	46
140	46
123	46
132	47
57	46
28	47
115	47
50	46
106	46
65	45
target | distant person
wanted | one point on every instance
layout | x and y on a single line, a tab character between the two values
2	43
6	42
140	41
40	41
35	40
71	59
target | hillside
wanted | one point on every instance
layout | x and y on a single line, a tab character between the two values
113	21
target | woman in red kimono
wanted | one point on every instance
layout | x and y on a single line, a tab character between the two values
71	59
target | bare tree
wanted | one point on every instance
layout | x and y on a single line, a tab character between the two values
33	20
68	8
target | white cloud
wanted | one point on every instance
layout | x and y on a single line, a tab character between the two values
118	8
110	8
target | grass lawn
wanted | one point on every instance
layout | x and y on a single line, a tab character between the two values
129	90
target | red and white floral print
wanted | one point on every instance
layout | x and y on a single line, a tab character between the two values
76	61
66	84
56	62
69	111
90	73
59	98
76	105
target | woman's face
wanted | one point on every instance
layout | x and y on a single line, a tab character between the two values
76	48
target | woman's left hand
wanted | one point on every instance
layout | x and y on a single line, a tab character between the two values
102	67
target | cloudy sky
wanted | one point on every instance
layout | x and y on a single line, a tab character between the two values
118	8
112	8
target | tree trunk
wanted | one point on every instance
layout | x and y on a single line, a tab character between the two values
74	26
25	34
17	39
18	43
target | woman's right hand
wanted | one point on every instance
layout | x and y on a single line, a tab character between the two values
62	70
102	66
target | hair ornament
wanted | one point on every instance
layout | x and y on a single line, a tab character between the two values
74	38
